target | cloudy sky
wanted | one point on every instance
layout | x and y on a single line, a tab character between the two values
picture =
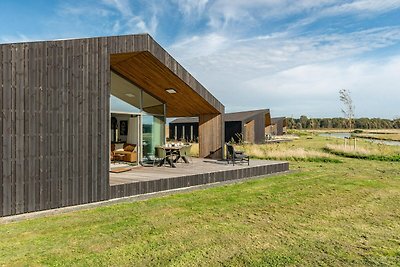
290	56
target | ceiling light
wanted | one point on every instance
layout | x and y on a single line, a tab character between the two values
130	95
171	90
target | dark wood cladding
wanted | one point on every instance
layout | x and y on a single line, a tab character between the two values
143	187
54	122
256	124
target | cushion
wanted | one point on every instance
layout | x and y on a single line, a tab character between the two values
122	152
129	148
119	146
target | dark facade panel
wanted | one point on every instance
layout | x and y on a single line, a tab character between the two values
259	127
55	105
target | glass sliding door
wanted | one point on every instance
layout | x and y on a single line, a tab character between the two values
147	116
153	134
153	124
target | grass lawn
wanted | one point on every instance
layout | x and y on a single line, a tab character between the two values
333	214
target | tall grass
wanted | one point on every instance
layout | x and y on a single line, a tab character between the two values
382	152
286	153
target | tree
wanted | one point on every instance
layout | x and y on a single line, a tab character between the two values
303	121
348	110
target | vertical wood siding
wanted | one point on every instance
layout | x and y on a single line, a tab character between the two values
54	103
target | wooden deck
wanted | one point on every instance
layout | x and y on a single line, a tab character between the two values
141	180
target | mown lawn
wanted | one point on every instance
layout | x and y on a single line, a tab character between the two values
331	214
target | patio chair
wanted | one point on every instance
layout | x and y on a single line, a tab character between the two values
236	156
162	157
184	153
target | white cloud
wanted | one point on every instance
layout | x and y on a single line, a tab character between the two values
123	6
371	6
190	7
313	89
289	73
258	53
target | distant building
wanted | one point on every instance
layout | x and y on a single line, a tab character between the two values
277	127
247	126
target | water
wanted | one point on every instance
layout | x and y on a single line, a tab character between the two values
384	142
347	135
336	135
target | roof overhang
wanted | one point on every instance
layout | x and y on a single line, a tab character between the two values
147	71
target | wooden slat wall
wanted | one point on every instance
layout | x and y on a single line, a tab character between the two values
256	128
248	131
211	135
54	103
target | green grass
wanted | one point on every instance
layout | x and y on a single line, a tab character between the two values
321	214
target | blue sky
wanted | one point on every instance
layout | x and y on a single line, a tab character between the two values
290	56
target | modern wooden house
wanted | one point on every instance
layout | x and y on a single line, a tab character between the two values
248	126
277	126
57	123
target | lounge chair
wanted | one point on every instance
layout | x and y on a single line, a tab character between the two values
236	156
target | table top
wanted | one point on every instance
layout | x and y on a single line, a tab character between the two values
171	147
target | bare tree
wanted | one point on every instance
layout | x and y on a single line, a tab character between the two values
348	110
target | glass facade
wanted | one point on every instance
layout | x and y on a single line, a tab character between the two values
153	134
126	98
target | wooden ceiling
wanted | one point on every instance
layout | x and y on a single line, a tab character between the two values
147	72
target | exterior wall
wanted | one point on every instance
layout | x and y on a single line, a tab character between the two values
54	100
249	132
271	129
258	128
211	135
277	127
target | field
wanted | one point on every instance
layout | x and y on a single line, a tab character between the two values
336	212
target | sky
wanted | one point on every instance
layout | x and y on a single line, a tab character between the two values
290	56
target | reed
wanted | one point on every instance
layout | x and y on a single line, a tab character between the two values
286	153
